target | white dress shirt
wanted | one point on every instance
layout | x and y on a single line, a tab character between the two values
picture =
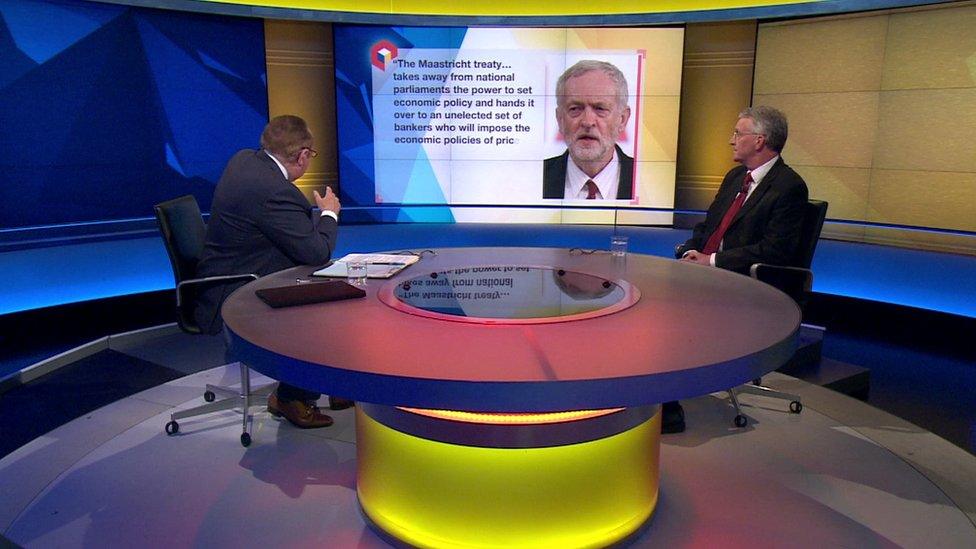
606	181
757	176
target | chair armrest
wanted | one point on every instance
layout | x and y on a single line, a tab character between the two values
793	281
209	280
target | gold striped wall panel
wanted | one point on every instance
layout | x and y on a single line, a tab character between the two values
301	68
717	84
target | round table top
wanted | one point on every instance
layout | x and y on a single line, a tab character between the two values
694	330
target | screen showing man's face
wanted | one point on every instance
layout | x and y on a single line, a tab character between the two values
472	116
590	117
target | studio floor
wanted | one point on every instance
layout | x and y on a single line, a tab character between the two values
840	474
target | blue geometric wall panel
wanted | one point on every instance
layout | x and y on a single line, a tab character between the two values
107	110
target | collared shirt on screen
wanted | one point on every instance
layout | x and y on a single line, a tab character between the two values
606	181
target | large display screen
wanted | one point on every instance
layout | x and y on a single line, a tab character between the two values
470	117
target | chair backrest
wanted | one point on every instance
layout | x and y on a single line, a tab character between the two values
184	231
813	219
796	279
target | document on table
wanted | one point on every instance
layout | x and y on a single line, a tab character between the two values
377	265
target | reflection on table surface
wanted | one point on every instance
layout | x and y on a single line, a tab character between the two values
513	292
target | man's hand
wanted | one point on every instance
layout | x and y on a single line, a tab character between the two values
694	256
329	202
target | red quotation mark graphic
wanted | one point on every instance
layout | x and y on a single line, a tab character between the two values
382	54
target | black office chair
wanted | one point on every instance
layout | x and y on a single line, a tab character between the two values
183	230
795	281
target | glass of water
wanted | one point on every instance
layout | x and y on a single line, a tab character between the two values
618	245
356	272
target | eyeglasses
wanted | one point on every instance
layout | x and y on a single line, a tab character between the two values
737	134
311	152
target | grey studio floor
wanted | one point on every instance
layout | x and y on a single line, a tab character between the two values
840	474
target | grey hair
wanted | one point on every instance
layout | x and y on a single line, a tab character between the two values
769	122
587	65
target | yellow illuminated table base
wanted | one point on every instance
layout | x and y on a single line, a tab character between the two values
453	479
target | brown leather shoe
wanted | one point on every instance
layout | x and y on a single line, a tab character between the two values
338	403
298	413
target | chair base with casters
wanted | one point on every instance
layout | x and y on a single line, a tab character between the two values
245	398
183	230
795	281
796	406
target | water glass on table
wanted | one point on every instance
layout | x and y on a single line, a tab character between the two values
618	245
356	272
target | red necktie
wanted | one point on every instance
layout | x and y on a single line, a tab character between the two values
590	189
716	239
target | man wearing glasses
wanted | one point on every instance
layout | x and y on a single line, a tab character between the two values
260	223
758	211
757	215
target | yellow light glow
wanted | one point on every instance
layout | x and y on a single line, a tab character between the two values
513	7
433	494
493	418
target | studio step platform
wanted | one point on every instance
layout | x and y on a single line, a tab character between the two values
809	365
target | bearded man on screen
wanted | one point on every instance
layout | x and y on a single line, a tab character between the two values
591	109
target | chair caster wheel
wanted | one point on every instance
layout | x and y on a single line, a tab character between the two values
172	428
245	440
796	406
741	421
209	396
757	382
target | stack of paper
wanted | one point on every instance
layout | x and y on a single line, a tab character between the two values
378	265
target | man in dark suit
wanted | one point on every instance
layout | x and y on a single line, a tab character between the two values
591	109
766	226
260	222
757	215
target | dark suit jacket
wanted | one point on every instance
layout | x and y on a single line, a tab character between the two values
259	223
554	176
765	230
